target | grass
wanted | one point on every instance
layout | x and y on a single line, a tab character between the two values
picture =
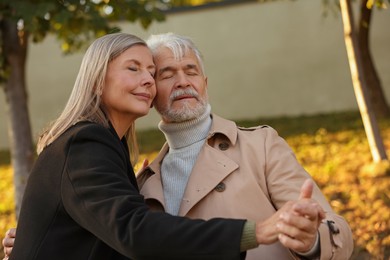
5	157
333	148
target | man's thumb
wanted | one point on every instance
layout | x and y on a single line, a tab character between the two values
306	189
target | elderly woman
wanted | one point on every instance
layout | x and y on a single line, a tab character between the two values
82	200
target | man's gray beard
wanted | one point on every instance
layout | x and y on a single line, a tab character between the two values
185	113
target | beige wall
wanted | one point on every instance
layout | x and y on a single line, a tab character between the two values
279	58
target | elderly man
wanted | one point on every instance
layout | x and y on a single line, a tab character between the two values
209	167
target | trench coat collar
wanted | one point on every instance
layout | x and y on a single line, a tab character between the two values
225	127
149	180
210	169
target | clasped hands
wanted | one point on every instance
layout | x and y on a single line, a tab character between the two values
295	225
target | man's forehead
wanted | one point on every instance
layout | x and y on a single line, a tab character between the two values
167	58
177	54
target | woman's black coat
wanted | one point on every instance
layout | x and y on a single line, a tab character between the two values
82	202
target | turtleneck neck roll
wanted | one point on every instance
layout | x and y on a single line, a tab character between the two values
179	135
185	141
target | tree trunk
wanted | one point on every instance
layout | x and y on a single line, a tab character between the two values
374	85
19	129
359	83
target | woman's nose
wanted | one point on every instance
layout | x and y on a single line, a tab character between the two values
147	80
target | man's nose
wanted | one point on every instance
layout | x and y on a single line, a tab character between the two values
182	80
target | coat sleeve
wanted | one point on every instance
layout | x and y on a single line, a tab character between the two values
97	194
284	177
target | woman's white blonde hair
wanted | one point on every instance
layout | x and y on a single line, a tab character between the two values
84	103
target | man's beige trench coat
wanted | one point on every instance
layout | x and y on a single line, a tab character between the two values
247	173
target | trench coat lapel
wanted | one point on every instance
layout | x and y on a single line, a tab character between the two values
210	169
152	188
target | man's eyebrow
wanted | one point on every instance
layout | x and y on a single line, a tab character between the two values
170	68
167	68
191	66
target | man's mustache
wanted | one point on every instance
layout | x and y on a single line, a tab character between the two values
181	92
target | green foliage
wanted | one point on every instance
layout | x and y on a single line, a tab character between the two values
74	22
378	3
333	6
175	3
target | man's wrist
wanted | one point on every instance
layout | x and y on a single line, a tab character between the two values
314	251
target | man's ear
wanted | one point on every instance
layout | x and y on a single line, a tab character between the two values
205	80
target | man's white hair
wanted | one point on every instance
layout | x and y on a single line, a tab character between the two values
178	44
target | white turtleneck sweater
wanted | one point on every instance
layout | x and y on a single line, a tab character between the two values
185	141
